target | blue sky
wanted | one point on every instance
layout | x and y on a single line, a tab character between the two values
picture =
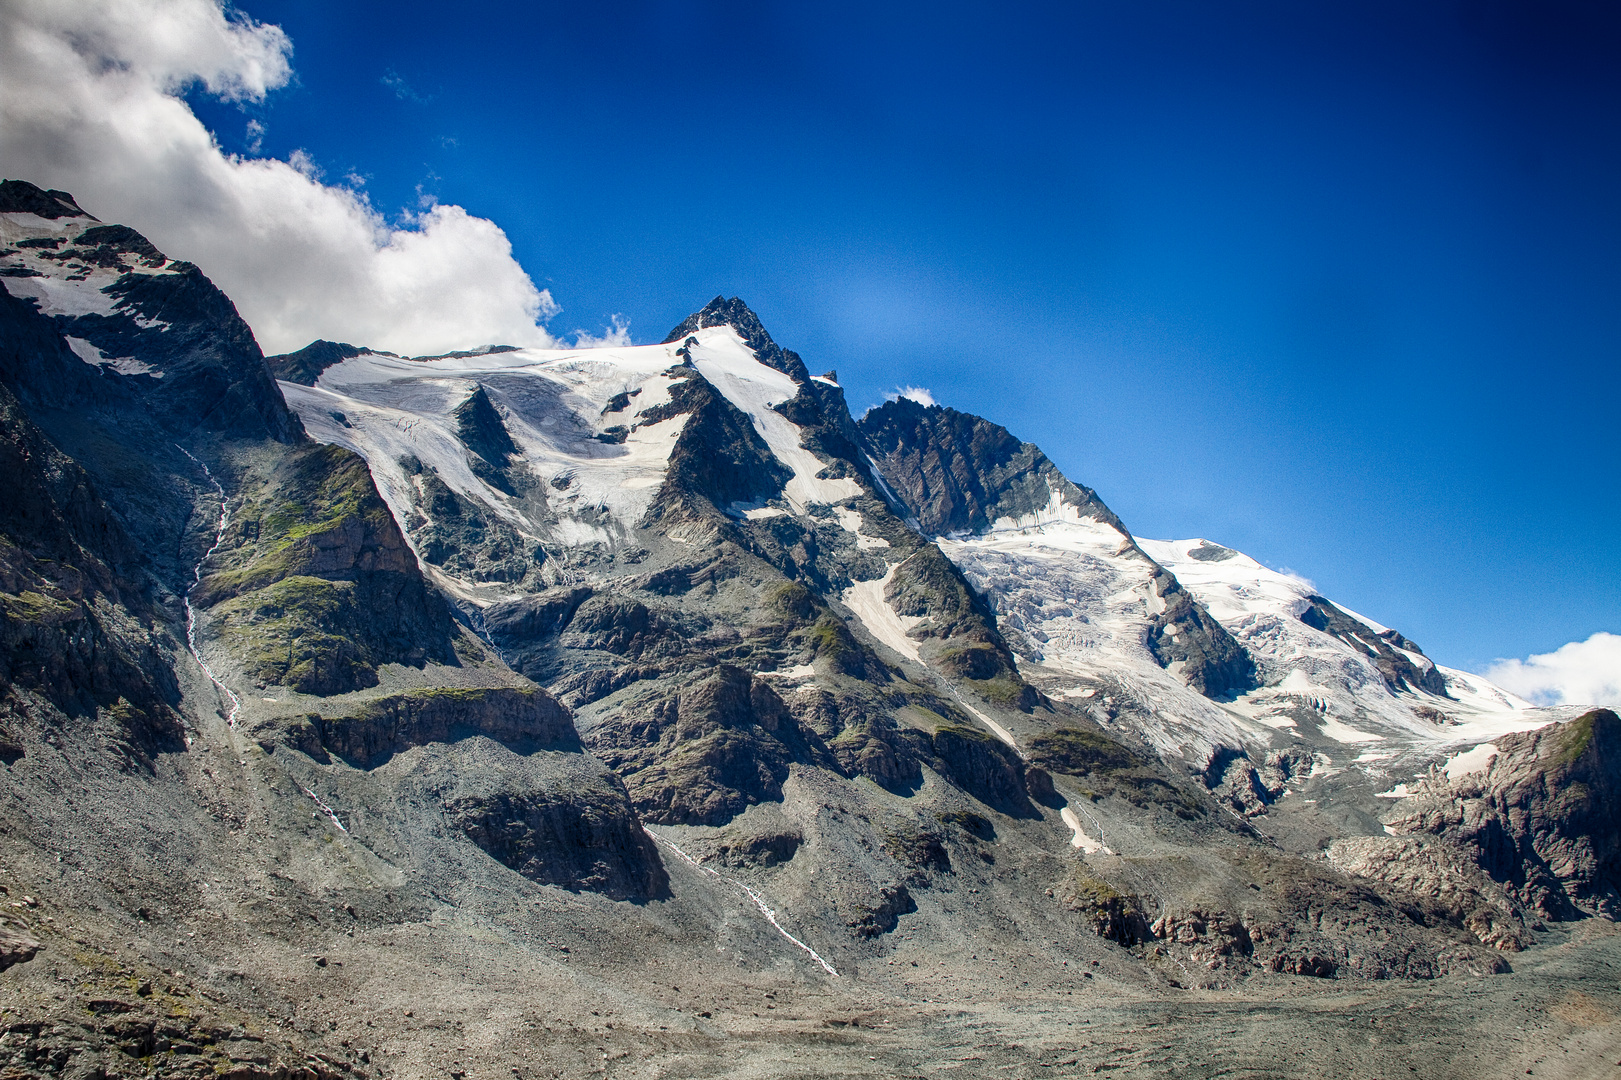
1337	284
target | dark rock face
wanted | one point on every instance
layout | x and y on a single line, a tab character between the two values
1114	916
213	376
748	850
880	912
466	538
959	473
706	754
76	604
305	365
522	718
1214	663
583	838
16	947
718	457
21	197
1399	671
1544	820
863	737
482	430
983	766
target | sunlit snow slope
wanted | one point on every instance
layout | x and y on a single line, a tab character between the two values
1195	648
1076	596
593	432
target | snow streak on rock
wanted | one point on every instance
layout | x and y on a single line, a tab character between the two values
759	901
324	808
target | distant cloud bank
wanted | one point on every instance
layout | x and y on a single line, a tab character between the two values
90	103
1580	673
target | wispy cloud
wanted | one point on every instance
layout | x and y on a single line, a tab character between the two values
1580	673
615	337
92	103
403	89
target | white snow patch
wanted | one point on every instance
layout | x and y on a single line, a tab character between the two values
60	297
1476	760
1080	839
124	365
866	600
801	671
851	520
997	729
1343	733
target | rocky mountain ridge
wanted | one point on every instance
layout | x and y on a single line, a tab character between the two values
613	670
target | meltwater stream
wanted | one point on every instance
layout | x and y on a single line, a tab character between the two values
196	579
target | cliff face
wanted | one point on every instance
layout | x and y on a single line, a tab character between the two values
1542	819
81	621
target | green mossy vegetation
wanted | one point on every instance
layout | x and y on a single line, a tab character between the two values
793	600
36	607
832	641
300	632
1005	691
1092	891
317	616
1078	752
1115	767
1576	736
973	823
323	490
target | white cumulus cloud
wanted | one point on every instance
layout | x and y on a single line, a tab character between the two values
90	103
918	394
1580	673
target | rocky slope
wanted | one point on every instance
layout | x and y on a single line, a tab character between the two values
602	706
1532	814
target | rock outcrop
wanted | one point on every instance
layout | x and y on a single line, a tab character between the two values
1543	820
521	717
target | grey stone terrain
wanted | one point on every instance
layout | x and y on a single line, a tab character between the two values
277	802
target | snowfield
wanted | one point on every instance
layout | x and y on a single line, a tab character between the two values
578	417
1074	594
68	287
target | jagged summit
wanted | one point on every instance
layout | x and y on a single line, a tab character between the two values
961	473
21	197
736	314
